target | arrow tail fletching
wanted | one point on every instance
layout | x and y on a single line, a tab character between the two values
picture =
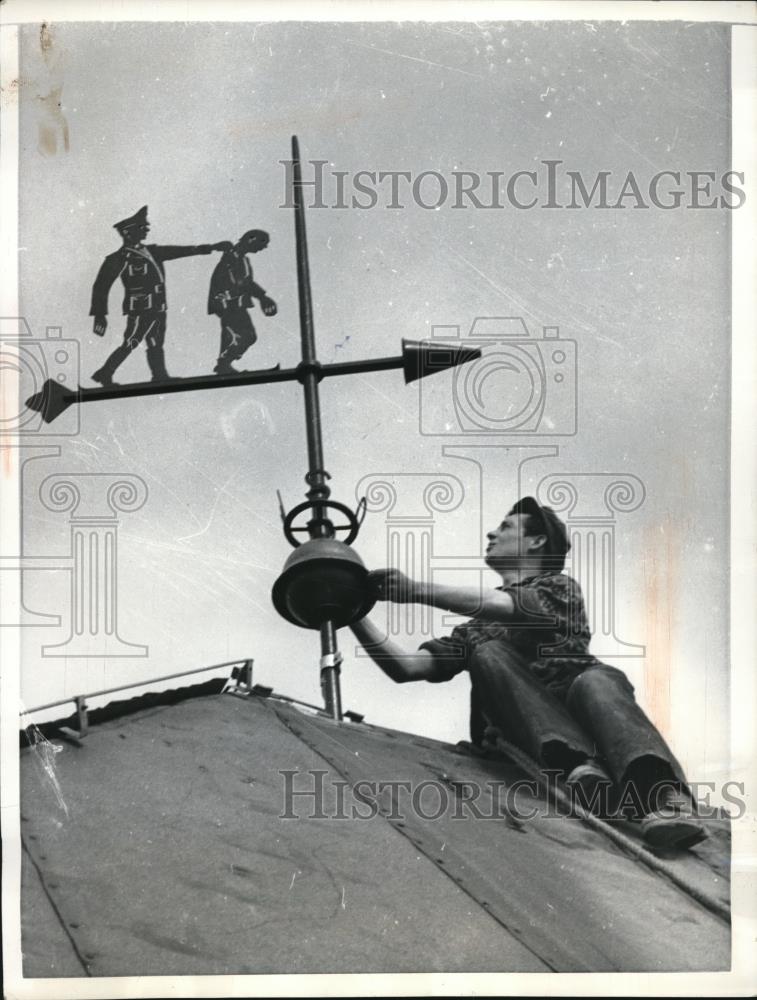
51	400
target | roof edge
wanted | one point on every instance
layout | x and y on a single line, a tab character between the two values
123	707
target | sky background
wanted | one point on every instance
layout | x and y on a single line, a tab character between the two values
193	120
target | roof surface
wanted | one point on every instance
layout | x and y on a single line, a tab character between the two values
158	847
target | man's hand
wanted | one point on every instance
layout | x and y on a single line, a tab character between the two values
392	585
100	326
268	306
223	246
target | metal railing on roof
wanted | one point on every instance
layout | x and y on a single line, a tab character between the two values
243	678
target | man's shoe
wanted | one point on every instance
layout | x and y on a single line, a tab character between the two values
673	824
491	735
589	783
225	368
104	378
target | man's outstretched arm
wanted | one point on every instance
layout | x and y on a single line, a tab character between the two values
393	660
490	605
175	252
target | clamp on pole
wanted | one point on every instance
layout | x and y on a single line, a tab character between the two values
333	660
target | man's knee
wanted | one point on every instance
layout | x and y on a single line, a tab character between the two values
229	335
597	683
155	334
245	328
136	333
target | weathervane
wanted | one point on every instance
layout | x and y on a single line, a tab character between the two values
324	582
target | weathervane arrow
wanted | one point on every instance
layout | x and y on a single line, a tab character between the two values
418	359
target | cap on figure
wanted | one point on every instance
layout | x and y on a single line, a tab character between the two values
138	219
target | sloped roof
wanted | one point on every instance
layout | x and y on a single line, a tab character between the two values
158	847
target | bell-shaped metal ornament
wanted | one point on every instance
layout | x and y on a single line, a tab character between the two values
323	580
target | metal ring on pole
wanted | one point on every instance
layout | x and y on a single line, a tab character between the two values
352	527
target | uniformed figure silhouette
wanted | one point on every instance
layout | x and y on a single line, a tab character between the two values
231	293
140	268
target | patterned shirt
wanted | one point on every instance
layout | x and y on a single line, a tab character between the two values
549	629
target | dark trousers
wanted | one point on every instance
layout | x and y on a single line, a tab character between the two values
599	717
147	326
237	334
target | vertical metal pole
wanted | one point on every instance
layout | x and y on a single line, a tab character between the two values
320	526
317	475
330	660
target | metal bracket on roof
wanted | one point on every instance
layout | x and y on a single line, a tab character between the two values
354	716
243	675
262	691
81	715
83	722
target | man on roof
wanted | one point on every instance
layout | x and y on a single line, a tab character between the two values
533	679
